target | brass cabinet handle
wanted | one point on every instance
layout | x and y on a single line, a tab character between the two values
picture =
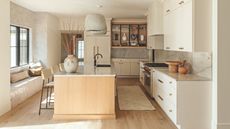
181	2
167	47
160	98
160	81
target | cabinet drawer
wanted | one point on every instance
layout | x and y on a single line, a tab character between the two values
171	112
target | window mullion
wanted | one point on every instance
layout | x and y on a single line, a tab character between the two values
18	46
28	45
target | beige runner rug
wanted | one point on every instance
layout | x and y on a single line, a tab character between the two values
133	98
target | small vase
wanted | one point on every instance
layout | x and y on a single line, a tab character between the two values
71	64
124	37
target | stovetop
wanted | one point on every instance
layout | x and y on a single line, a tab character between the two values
155	65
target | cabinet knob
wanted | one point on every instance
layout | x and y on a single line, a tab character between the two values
181	2
170	94
170	82
181	48
170	110
168	10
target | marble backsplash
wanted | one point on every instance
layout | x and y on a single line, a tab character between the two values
201	62
137	53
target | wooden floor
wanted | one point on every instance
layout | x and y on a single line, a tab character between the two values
26	116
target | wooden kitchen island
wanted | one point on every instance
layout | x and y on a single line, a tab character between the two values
87	94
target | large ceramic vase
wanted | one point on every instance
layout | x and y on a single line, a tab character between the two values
71	64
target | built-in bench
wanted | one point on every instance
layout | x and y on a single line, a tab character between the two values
24	89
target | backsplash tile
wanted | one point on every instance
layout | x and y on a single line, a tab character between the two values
201	62
137	53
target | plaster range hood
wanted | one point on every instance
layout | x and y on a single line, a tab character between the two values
95	24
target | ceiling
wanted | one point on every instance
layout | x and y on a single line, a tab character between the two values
111	8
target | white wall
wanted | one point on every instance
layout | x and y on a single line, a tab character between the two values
23	17
54	40
47	39
221	63
4	56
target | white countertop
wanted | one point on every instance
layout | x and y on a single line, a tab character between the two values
90	71
181	77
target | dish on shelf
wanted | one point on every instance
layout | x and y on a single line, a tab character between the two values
133	44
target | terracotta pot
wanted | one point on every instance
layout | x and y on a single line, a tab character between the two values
71	64
182	70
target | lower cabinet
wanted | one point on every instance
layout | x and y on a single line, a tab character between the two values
127	67
186	103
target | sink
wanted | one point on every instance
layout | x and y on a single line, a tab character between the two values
103	65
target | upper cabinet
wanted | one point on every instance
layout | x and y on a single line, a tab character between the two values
155	18
187	25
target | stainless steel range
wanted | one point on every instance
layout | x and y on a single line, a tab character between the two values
148	76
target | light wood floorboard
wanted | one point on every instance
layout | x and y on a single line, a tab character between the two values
26	114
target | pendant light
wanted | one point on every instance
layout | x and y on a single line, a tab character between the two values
95	23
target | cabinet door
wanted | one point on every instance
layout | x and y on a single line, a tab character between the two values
134	68
169	31
89	50
124	68
186	18
155	18
117	67
170	5
103	47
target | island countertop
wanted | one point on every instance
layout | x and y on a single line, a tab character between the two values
86	70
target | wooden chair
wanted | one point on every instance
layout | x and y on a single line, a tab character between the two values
61	67
47	86
55	69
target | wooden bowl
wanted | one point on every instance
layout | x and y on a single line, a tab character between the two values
173	66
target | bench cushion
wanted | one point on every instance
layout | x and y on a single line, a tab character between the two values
16	77
22	90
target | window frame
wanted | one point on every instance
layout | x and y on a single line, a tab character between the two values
18	55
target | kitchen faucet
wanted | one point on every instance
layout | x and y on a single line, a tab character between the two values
95	58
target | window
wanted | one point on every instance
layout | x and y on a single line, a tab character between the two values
80	50
19	46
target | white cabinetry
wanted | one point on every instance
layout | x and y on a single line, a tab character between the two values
127	67
155	42
155	18
187	25
186	103
97	44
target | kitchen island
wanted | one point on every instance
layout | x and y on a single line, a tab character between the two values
87	94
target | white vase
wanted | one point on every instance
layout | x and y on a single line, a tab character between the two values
124	37
71	64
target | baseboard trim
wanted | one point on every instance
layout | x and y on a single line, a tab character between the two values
83	117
